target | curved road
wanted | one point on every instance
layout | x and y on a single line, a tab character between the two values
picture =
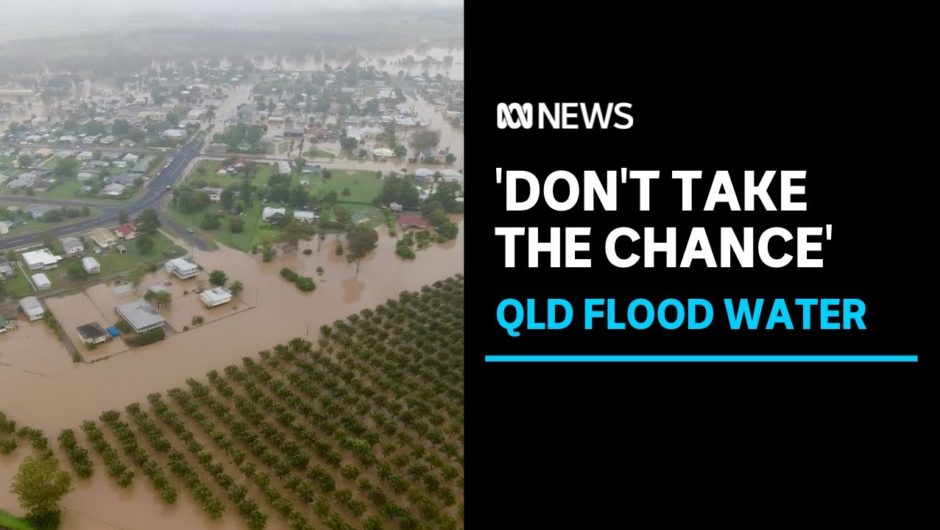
155	192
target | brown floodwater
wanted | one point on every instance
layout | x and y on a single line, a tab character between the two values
40	386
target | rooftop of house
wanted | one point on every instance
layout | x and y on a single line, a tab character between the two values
140	314
92	331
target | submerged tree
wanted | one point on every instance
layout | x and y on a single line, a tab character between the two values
39	485
362	240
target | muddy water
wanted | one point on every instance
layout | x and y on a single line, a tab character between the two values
65	394
31	351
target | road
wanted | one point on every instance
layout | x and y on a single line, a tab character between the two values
156	191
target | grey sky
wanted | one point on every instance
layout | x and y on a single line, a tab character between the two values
24	16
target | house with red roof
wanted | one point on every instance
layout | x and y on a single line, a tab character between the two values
406	221
126	231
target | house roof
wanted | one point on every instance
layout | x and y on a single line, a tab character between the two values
92	331
216	294
125	229
411	220
140	314
31	305
271	212
69	242
182	264
41	279
90	263
42	256
101	234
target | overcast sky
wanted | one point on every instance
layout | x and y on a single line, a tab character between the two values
24	16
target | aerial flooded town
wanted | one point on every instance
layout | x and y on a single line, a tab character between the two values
231	256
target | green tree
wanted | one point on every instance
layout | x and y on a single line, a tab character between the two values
120	127
400	151
361	240
236	287
227	199
148	222
40	484
348	143
218	278
293	233
86	211
343	216
66	167
159	298
145	244
450	158
25	160
300	162
210	222
426	140
122	217
136	275
48	239
76	270
236	224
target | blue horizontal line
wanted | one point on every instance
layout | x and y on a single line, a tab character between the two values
701	358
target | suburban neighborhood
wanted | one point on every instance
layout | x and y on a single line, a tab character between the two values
231	255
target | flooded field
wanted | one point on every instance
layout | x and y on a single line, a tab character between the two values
31	349
41	387
281	311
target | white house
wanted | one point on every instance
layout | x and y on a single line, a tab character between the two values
423	174
85	155
451	175
93	333
41	259
215	296
32	307
174	134
283	168
72	246
215	194
113	190
41	281
182	268
267	214
91	265
305	216
140	315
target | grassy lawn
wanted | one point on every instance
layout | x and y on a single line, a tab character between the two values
18	286
363	186
63	190
247	238
206	170
112	261
13	523
319	153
